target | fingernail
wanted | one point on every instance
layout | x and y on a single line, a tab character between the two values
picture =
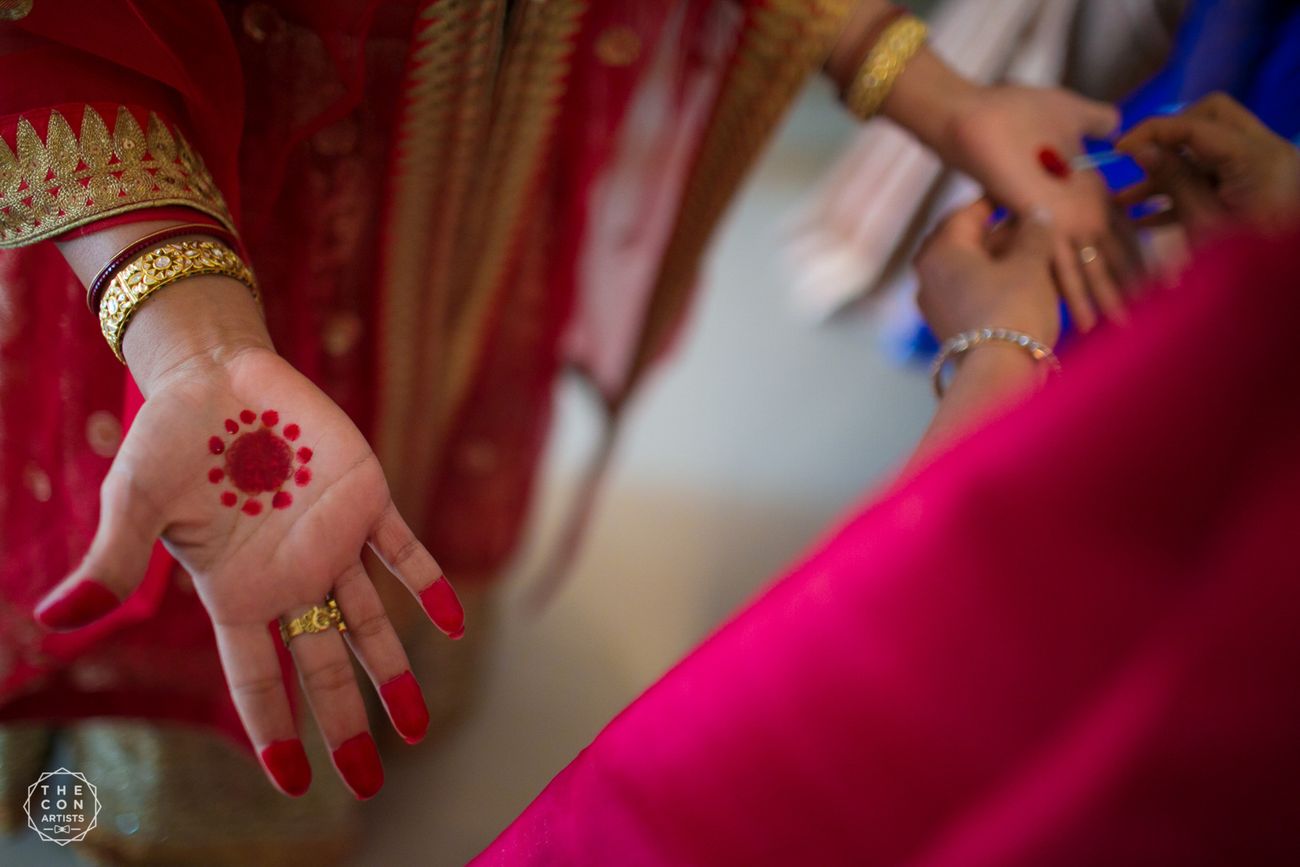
358	763
1052	161
406	707
287	763
85	603
444	609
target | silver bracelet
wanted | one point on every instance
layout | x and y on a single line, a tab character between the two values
968	340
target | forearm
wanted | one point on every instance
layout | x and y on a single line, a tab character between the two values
985	380
927	98
202	318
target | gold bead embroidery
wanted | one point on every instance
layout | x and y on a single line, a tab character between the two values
48	187
15	10
618	46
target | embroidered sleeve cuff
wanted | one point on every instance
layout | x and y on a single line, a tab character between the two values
64	167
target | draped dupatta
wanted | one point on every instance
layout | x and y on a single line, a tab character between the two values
1069	640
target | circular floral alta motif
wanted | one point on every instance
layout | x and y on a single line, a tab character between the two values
257	459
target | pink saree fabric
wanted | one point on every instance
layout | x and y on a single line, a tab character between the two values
1072	639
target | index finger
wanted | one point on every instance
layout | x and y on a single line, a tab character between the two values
1209	140
969	224
415	567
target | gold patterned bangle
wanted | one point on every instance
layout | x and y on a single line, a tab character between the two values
159	267
885	62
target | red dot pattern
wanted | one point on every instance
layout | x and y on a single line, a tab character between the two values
258	461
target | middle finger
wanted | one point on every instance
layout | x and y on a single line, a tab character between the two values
325	669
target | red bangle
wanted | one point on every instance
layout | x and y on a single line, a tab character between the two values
97	286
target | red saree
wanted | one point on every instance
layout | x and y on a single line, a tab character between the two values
1070	640
420	187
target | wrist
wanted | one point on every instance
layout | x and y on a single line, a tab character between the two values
1025	354
930	99
198	321
996	368
850	49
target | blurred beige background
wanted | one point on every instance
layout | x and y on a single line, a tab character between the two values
735	459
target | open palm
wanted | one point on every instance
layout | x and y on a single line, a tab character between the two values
264	490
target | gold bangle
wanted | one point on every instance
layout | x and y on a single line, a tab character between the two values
159	267
885	62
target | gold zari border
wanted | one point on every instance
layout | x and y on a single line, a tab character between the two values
48	187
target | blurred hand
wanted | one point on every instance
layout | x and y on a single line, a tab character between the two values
996	137
973	276
1217	163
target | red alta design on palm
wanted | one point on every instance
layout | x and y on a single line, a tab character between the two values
259	461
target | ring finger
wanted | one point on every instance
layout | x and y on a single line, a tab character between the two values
325	669
375	642
1101	286
1069	277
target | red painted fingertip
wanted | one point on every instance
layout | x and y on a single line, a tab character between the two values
406	707
1053	163
358	763
286	761
444	609
85	603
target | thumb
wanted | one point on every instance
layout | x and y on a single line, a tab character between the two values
115	564
968	225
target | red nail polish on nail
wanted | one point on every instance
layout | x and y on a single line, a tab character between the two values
1054	163
287	762
442	606
406	707
85	603
358	762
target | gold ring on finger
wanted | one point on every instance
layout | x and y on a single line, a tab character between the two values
318	618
